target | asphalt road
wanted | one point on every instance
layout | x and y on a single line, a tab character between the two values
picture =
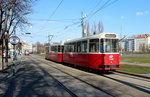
32	79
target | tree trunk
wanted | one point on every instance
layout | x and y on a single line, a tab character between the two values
2	54
6	45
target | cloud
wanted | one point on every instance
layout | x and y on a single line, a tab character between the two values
141	13
122	17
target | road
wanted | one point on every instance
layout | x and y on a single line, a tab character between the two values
37	77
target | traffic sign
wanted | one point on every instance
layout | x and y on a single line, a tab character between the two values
14	40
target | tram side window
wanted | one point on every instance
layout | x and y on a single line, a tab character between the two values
53	48
71	47
79	46
102	45
84	46
47	49
60	48
65	47
75	47
94	45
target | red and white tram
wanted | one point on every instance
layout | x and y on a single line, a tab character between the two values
54	52
98	51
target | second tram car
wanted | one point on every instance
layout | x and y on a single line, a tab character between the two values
98	51
54	52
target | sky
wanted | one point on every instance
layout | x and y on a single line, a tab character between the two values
62	18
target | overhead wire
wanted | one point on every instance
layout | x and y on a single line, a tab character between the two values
91	14
70	29
106	4
66	27
56	9
53	13
100	1
56	20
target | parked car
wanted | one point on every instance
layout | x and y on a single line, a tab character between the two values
27	53
4	54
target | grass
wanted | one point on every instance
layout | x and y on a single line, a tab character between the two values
134	69
41	54
136	59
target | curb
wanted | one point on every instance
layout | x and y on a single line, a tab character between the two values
133	74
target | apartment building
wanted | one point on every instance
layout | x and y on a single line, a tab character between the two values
137	43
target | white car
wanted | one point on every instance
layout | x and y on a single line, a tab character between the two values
4	54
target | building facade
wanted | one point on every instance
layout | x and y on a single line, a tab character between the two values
138	43
26	47
128	45
142	43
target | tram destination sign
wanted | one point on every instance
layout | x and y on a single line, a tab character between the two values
14	40
111	35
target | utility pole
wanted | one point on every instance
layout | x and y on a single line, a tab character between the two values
82	23
49	40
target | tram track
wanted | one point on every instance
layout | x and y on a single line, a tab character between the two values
57	81
139	87
98	88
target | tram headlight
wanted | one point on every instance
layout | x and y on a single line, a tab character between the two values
111	62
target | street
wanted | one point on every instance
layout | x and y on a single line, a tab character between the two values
37	77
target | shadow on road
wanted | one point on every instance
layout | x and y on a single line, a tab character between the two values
27	82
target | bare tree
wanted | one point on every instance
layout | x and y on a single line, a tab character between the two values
88	29
94	28
100	27
40	48
13	15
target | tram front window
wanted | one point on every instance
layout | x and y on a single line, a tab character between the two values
111	45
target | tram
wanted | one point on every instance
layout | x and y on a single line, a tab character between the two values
98	51
54	52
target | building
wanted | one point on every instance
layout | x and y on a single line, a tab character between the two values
142	43
138	43
128	45
26	47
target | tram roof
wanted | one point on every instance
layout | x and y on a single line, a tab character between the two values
101	35
56	43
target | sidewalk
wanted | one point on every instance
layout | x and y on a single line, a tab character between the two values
5	77
138	64
27	82
9	63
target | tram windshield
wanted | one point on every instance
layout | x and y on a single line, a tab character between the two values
110	45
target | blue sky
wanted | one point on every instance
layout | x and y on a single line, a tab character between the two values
134	15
